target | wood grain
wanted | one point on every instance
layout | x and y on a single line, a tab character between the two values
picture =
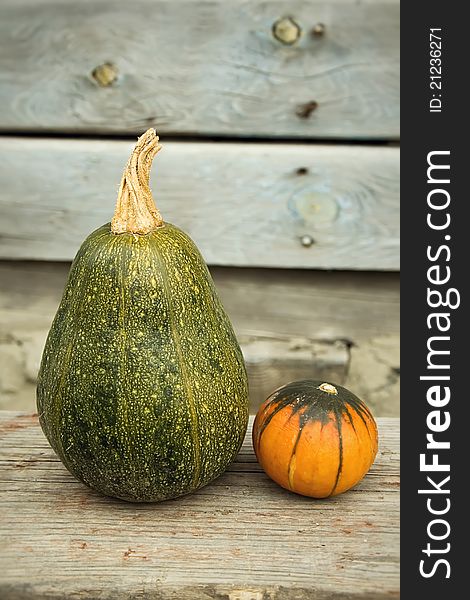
243	204
240	538
210	67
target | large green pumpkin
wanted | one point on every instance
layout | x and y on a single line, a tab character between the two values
142	390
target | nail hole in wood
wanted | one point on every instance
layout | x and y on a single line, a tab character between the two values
318	30
305	110
302	171
307	241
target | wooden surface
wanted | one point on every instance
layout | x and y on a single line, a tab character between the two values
243	204
240	538
207	67
319	305
291	325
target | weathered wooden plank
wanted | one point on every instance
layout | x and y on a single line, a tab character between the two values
316	304
342	327
209	67
240	538
271	361
243	204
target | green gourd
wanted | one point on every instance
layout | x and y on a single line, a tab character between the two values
142	390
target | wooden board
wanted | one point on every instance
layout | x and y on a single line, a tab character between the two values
354	307
343	327
243	204
271	361
209	67
240	538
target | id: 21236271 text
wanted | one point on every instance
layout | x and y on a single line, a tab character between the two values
435	69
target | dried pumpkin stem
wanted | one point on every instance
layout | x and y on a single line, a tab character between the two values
135	208
328	388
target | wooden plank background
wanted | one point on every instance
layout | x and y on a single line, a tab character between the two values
342	327
201	68
243	204
279	156
240	538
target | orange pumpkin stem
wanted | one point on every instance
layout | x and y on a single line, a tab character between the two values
135	208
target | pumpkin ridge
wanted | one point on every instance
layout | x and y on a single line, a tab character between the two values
123	400
66	362
340	438
268	420
302	422
291	466
291	470
360	410
280	405
351	421
189	392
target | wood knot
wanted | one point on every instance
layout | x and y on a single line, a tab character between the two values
105	74
305	110
286	31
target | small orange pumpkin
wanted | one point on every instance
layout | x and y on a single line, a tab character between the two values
314	438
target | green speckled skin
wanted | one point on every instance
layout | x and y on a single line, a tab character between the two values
142	390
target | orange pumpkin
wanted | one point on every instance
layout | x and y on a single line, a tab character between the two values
314	438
